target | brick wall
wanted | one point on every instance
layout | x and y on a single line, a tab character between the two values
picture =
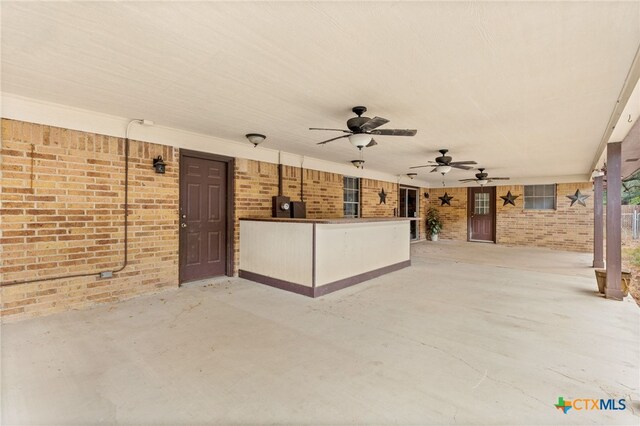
566	228
62	213
454	217
424	206
370	200
323	191
65	216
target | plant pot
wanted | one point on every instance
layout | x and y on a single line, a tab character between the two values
601	278
434	237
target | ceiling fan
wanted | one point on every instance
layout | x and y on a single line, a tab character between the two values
483	178
361	129
443	164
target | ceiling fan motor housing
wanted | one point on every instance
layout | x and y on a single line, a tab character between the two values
482	175
354	123
444	160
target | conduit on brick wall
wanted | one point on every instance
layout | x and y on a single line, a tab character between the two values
126	227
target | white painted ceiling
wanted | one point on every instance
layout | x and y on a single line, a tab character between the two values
526	89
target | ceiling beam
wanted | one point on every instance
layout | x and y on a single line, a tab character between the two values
630	82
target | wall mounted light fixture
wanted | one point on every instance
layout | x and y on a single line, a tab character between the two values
358	163
255	138
159	164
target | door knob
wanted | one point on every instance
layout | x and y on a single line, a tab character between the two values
183	225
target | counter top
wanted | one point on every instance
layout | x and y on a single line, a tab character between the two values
331	221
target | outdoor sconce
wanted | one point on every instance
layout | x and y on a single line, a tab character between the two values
159	164
255	138
426	195
412	175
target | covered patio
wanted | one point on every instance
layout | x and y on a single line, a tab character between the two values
470	334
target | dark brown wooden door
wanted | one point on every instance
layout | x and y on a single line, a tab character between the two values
481	204
203	218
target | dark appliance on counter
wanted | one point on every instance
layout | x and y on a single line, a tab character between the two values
299	209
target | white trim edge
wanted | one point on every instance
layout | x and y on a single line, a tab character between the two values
36	111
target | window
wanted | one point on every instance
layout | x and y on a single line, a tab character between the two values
351	197
539	197
481	205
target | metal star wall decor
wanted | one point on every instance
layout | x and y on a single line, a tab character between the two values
383	197
578	198
446	199
509	199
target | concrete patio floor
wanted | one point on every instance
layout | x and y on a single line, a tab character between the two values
470	334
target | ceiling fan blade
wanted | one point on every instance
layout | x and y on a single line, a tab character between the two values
394	132
458	166
461	162
329	140
467	180
337	130
372	143
418	167
373	123
435	169
499	178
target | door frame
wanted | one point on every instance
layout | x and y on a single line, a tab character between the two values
494	208
415	219
230	218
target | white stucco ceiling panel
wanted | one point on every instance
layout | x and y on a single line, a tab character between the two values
524	88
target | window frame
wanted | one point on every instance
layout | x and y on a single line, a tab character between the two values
484	207
357	191
535	198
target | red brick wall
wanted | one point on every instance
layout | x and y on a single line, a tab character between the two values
65	216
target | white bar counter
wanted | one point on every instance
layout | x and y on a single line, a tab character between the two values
314	257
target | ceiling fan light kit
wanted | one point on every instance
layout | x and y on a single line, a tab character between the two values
360	140
443	169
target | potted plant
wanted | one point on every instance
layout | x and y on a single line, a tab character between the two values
434	224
